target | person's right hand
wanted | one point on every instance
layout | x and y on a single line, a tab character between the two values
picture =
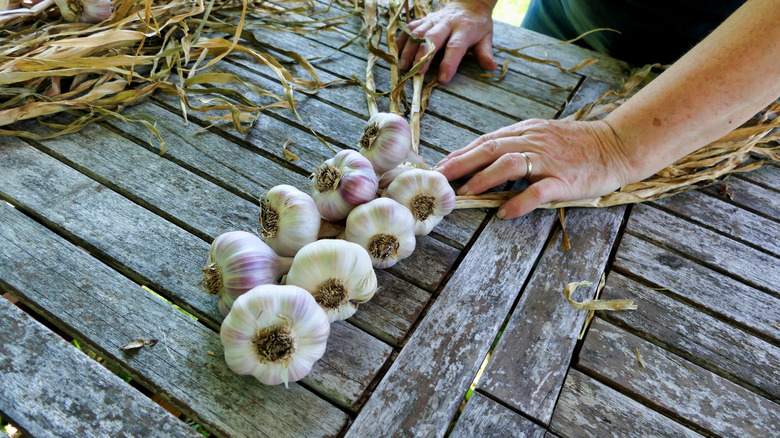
462	24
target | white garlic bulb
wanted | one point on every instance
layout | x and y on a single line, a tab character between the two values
386	141
239	261
85	11
427	194
288	219
274	333
392	174
342	183
339	275
384	228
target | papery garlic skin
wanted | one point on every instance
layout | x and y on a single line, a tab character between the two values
85	11
384	228
239	261
389	176
342	183
274	333
288	219
427	194
339	274
386	141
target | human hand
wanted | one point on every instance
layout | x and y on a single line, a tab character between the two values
461	24
570	160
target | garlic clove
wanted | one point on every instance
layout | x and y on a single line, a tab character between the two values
386	141
339	274
289	219
427	194
342	183
274	333
384	228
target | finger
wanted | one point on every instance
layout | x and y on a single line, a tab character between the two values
515	130
438	34
544	190
400	41
483	50
456	49
508	167
411	49
475	159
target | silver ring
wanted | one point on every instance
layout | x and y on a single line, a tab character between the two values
528	166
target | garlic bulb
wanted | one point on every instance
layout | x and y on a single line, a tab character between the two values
274	333
289	219
427	194
239	261
342	183
384	228
392	174
85	11
337	273
386	141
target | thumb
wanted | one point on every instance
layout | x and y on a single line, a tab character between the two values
483	50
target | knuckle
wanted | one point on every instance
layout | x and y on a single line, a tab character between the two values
513	162
491	147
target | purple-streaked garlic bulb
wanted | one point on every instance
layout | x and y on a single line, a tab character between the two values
386	141
288	219
85	11
275	333
427	194
239	261
391	174
384	228
339	274
342	183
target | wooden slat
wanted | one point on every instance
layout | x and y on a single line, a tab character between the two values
741	261
691	282
767	176
459	227
697	336
428	264
750	196
674	385
106	311
51	389
588	408
421	391
485	418
119	230
729	219
528	366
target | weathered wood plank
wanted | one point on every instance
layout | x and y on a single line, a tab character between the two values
729	219
51	389
767	176
421	391
588	408
428	264
697	336
101	308
748	195
691	282
119	230
752	266
485	418
459	227
528	366
672	384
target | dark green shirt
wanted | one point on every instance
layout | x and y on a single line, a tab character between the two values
650	31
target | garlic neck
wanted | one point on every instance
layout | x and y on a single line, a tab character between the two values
212	279
423	206
327	178
384	246
269	221
274	343
331	294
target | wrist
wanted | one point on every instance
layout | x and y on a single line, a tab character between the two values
484	7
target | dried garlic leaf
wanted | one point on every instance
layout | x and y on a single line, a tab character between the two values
595	304
639	358
139	343
287	154
211	353
565	242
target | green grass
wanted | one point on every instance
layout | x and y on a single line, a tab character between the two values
511	11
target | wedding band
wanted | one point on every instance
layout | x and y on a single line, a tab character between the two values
528	166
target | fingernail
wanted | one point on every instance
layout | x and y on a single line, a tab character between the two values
464	190
502	213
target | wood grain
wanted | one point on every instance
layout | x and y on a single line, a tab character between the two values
51	389
422	389
588	408
528	366
672	384
105	311
748	195
428	264
693	283
697	336
485	418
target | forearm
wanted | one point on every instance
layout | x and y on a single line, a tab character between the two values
714	88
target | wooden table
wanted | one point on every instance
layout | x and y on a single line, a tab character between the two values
102	242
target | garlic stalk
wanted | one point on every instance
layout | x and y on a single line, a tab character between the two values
427	194
342	183
274	333
239	261
85	11
386	141
384	228
339	275
288	219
